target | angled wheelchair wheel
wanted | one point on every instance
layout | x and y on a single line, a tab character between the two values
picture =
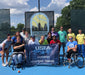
80	61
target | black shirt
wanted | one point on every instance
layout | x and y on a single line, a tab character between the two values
49	39
20	49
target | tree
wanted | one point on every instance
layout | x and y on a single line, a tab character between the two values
13	28
20	26
65	19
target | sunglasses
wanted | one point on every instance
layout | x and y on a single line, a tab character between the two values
70	38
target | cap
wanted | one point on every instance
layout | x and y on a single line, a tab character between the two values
23	29
32	36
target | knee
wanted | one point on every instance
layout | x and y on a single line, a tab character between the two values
2	53
14	56
19	55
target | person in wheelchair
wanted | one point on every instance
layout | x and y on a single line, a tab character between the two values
71	47
19	51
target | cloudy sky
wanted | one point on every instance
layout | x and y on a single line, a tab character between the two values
18	8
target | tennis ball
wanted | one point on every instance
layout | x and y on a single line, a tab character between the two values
18	71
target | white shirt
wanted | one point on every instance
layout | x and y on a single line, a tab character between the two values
26	39
35	42
7	43
23	35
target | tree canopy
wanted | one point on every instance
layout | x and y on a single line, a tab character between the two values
65	19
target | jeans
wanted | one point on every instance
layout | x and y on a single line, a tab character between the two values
17	58
81	49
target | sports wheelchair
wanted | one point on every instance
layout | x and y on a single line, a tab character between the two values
12	64
76	59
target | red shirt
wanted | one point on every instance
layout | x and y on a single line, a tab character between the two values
54	42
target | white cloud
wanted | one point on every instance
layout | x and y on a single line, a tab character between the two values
15	6
55	17
13	23
18	7
56	6
34	9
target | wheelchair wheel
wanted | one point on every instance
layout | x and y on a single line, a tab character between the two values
80	62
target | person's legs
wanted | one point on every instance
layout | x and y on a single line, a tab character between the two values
2	56
63	44
82	49
69	54
15	59
79	49
59	53
7	53
19	58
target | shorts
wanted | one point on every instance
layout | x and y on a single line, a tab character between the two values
63	44
4	49
0	49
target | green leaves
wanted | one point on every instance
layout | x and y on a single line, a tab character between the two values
65	19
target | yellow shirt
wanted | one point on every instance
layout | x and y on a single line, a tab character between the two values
72	34
44	43
80	38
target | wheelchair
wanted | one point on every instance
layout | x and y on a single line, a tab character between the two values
12	64
76	59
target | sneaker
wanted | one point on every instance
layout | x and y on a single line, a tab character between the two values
6	63
69	59
3	64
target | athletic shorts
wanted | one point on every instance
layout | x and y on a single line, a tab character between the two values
63	44
0	49
4	49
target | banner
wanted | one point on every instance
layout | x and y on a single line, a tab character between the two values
43	54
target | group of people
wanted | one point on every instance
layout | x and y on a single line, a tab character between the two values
74	43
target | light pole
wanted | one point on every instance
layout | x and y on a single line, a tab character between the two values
39	5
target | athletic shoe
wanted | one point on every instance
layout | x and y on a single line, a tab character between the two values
3	64
6	63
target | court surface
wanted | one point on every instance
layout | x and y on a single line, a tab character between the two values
43	70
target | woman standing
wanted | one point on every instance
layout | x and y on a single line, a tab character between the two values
70	34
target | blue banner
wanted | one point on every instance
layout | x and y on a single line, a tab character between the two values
43	54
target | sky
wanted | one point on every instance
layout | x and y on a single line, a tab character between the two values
19	7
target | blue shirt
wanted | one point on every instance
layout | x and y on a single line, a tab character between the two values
71	44
15	40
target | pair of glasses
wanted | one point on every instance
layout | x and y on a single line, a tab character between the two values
70	38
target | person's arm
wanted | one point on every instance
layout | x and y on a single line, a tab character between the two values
65	34
40	41
77	38
68	49
25	53
59	42
74	37
74	47
51	42
15	47
67	38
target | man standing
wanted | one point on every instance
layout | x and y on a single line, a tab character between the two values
81	41
54	33
23	33
62	38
